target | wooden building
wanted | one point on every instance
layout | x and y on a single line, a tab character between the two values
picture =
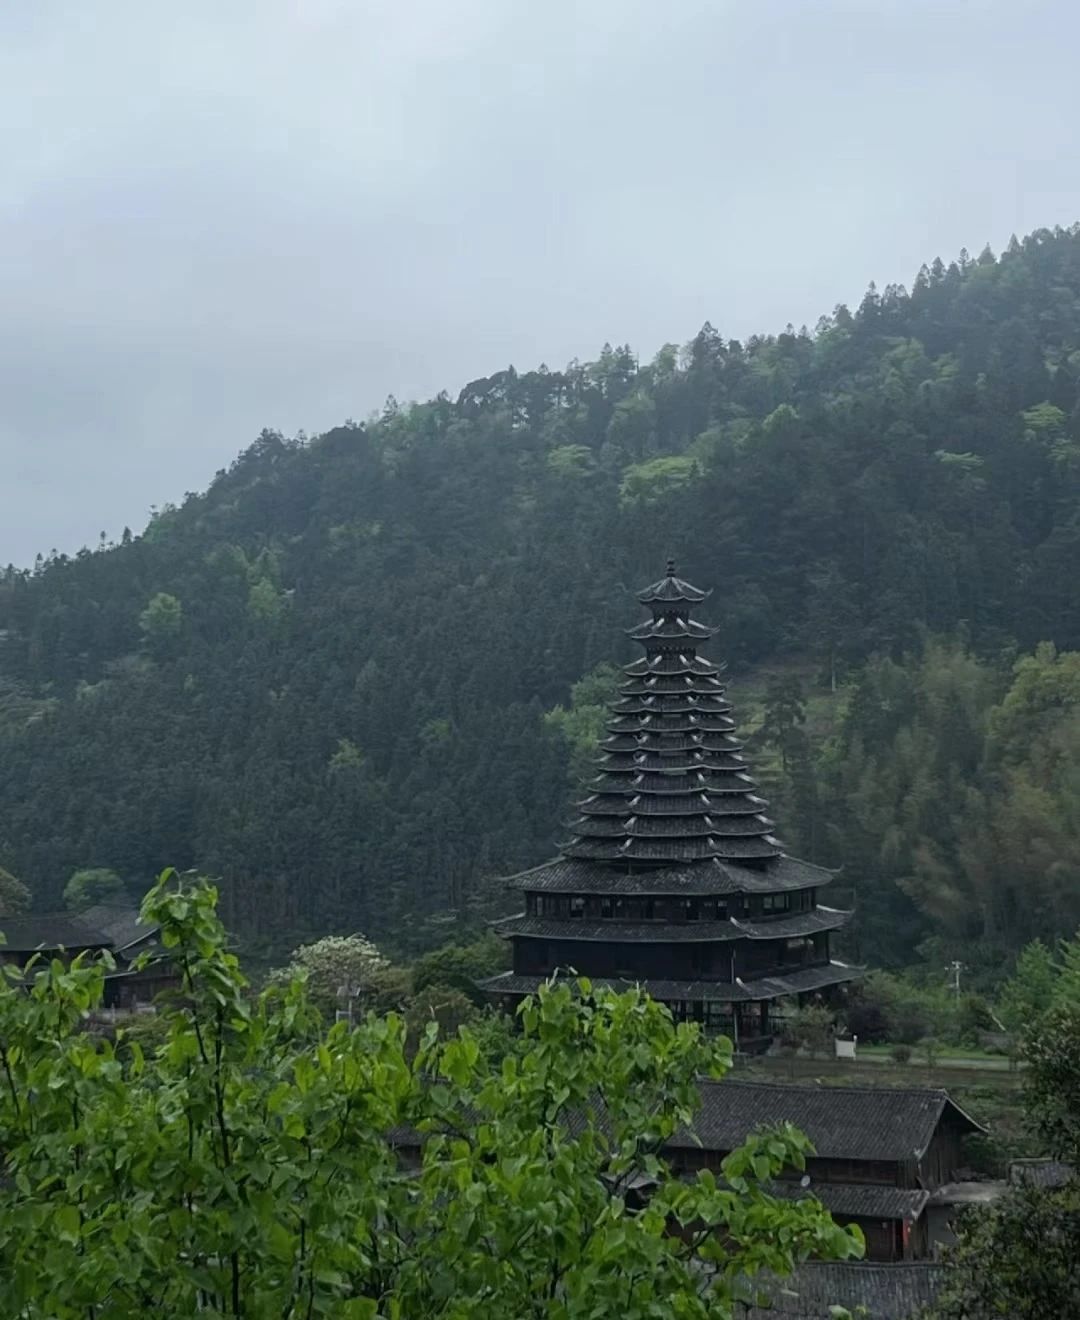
882	1152
98	929
673	877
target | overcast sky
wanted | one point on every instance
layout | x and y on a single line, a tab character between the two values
220	215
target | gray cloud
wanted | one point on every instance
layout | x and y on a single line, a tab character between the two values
233	214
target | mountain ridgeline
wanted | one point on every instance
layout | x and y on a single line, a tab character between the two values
324	680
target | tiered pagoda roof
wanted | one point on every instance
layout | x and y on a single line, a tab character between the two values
672	848
673	786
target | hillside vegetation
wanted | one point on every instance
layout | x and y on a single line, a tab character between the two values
325	679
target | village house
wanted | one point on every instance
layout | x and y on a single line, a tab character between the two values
882	1153
99	929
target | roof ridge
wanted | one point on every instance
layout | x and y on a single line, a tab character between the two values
827	1088
530	870
890	1267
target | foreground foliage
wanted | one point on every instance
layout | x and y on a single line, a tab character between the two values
1018	1258
247	1166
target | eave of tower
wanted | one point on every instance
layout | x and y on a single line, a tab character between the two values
715	878
641	781
687	848
662	827
659	686
689	804
666	664
676	763
754	990
661	932
671	589
671	628
692	741
680	720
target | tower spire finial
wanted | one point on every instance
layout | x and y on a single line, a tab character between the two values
671	568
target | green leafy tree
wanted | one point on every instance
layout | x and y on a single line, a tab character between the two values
1052	1081
247	1167
645	484
1017	1258
94	884
460	966
387	989
339	970
14	895
1067	985
812	1028
581	724
445	1005
1030	991
265	602
832	619
632	429
785	714
570	462
161	621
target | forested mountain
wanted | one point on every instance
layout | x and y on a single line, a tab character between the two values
324	679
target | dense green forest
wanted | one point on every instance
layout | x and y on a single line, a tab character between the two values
328	679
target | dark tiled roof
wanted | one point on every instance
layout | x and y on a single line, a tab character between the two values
652	825
888	1292
671	741
798	982
617	932
802	923
658	705
859	1200
667	689
121	925
1039	1173
670	663
646	759
690	848
671	589
674	715
568	875
616	779
99	927
854	1123
672	932
671	629
675	805
50	930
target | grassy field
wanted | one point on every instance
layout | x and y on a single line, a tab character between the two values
968	1057
883	1072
